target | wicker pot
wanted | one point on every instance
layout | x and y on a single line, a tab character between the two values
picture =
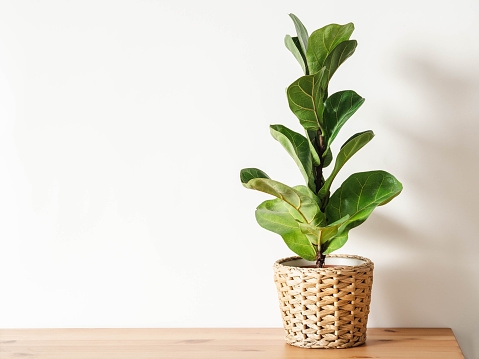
324	307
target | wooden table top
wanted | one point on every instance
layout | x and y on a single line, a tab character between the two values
416	343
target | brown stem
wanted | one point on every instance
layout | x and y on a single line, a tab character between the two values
320	257
321	142
319	169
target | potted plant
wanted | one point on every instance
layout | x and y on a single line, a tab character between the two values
324	298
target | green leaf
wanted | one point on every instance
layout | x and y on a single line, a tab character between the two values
301	31
323	41
318	234
305	99
339	54
357	197
247	174
350	147
274	216
298	147
306	206
338	108
336	243
293	45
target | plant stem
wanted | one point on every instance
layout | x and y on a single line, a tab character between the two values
318	175
320	257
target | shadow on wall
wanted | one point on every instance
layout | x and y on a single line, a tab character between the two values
437	283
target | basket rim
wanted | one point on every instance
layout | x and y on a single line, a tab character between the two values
367	264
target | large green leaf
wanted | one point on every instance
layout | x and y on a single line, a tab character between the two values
293	45
338	108
274	216
298	147
357	197
301	31
305	205
339	54
305	99
323	41
320	235
350	147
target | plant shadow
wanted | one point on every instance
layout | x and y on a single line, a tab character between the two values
436	282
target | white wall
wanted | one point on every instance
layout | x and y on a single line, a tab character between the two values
124	125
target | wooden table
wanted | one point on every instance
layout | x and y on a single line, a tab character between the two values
391	343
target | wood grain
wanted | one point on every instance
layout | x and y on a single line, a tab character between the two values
417	343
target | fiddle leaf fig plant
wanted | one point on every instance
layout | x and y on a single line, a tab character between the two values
312	221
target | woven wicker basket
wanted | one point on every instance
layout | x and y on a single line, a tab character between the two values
324	307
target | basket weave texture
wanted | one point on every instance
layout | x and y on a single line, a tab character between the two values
324	307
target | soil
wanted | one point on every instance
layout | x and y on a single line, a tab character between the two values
325	266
